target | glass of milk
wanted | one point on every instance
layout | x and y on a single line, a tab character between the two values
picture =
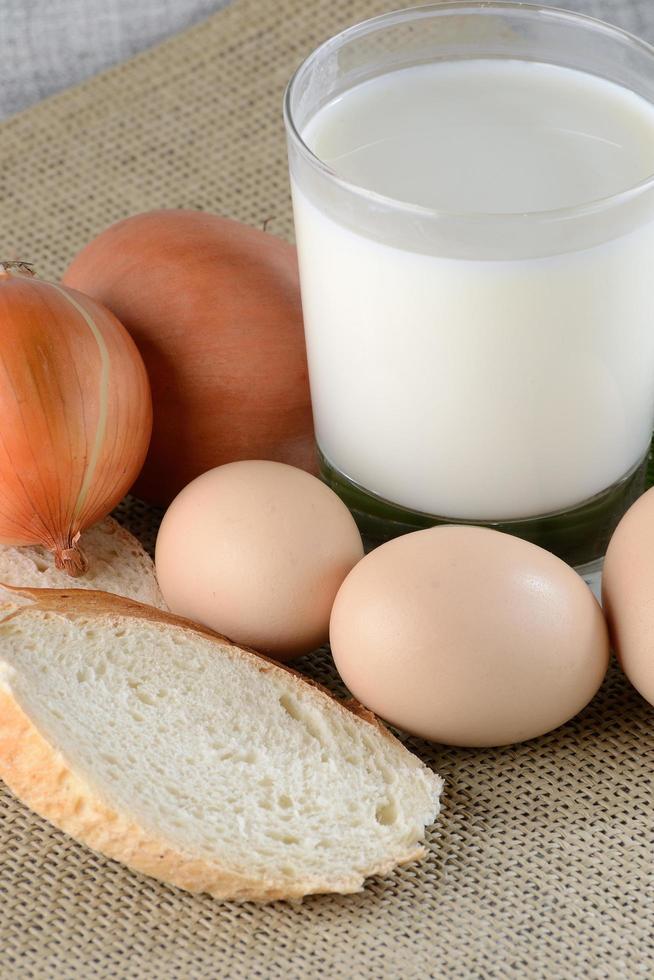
473	190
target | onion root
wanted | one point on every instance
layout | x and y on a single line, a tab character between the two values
72	560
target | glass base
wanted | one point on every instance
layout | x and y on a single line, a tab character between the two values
592	576
579	536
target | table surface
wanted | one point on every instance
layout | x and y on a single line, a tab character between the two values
47	45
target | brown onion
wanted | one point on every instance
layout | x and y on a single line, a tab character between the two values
75	411
214	308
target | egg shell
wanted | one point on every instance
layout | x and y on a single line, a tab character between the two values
467	636
257	551
628	593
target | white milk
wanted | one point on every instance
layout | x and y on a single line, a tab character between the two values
481	388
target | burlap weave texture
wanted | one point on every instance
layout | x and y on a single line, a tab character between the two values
541	865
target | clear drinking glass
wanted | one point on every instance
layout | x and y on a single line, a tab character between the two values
552	442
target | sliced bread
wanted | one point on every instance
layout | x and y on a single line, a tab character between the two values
164	746
117	563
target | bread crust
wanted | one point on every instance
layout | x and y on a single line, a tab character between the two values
38	774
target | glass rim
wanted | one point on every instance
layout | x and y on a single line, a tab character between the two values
436	9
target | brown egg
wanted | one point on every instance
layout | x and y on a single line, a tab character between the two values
628	593
257	551
467	636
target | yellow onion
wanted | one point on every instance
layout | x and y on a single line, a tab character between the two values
75	414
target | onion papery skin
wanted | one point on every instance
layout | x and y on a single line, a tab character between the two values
75	414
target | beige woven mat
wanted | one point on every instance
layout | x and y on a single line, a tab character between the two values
542	864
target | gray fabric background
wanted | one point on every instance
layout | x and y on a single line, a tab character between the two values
47	45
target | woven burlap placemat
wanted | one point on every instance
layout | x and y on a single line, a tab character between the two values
541	865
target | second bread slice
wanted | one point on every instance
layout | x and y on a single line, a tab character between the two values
117	563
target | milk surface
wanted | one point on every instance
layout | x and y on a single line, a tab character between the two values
481	389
